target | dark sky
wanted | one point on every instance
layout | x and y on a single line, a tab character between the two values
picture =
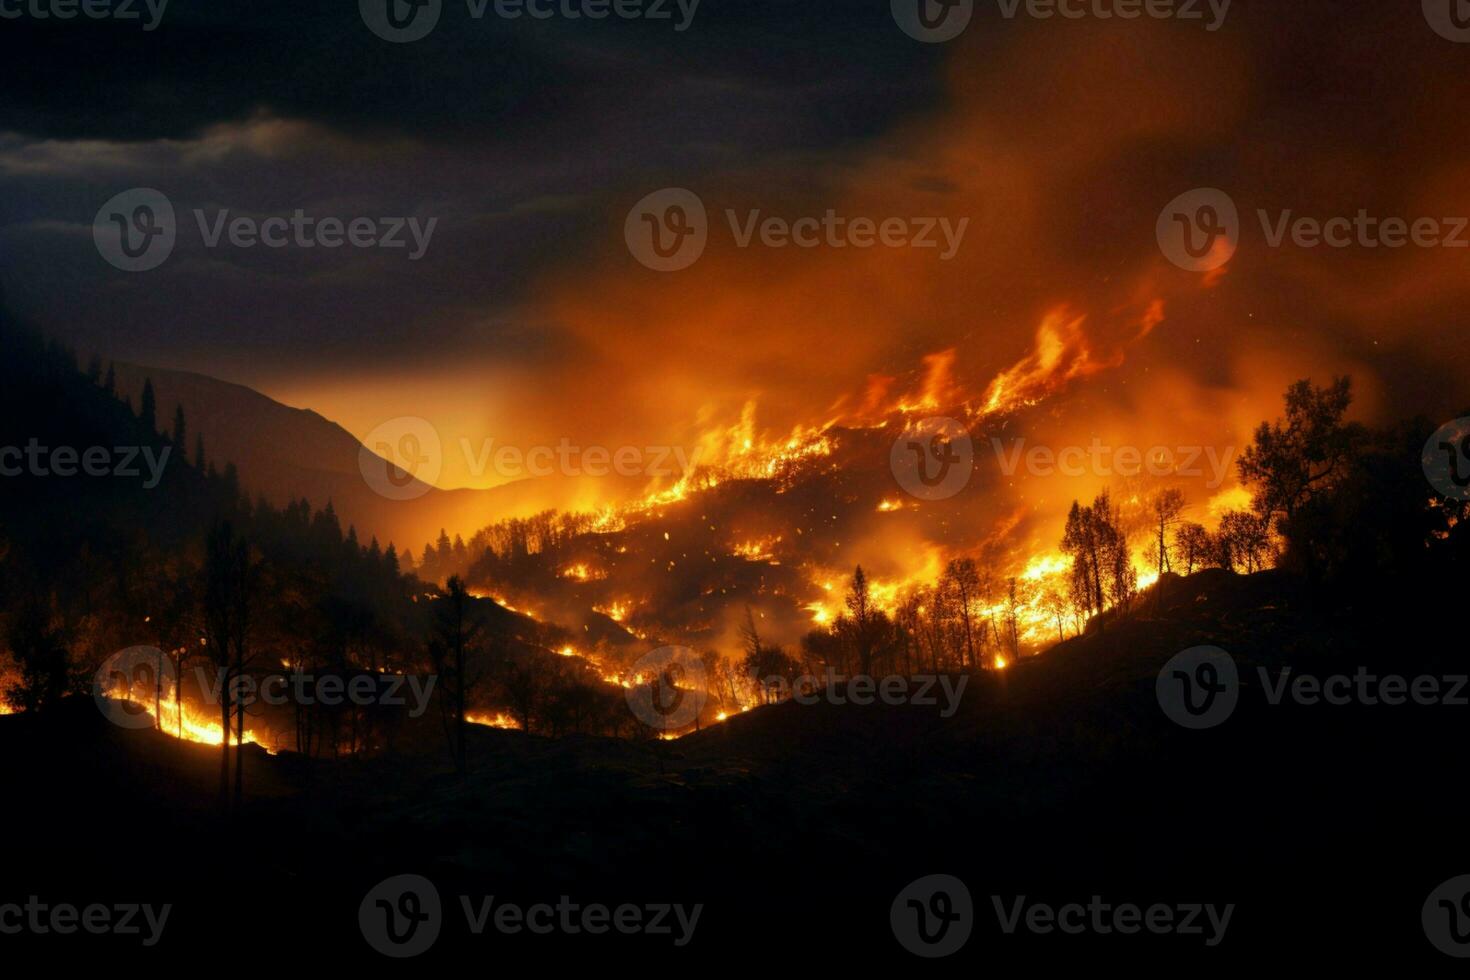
529	140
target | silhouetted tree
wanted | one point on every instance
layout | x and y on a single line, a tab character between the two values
148	411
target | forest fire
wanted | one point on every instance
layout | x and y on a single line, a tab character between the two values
182	720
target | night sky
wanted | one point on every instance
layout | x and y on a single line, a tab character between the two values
529	141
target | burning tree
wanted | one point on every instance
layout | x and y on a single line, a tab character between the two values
1102	569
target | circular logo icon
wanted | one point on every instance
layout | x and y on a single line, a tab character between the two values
933	459
933	916
667	230
1446	917
1199	230
668	691
401	916
1449	18
401	458
401	21
1447	460
129	680
933	21
1199	688
135	231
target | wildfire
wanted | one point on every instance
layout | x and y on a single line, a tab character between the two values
763	550
617	612
192	724
499	720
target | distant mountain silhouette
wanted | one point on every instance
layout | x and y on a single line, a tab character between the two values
286	453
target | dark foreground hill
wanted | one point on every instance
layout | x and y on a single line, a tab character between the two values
1326	827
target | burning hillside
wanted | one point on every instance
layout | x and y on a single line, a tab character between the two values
778	523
